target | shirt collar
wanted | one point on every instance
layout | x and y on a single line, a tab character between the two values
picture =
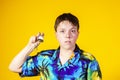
76	51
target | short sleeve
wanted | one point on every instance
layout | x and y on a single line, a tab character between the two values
31	66
94	72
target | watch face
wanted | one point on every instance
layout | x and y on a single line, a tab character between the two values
40	38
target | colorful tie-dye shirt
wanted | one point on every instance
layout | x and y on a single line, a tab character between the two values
46	64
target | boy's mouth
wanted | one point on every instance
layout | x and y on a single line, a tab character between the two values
67	41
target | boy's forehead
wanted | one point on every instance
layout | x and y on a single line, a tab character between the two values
66	24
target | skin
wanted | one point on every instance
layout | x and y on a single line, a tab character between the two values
66	35
20	58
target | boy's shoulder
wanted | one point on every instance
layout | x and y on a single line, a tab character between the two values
47	52
88	55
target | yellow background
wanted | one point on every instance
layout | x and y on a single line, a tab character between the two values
99	32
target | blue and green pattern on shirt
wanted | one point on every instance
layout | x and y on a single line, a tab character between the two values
83	66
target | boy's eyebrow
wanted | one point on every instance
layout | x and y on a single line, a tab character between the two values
74	28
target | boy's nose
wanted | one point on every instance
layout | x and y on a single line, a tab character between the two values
68	34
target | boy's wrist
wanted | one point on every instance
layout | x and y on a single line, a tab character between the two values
30	47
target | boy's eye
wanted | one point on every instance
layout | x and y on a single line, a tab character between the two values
73	31
62	31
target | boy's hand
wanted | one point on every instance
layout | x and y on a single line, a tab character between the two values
35	41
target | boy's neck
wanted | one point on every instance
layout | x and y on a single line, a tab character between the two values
66	51
65	55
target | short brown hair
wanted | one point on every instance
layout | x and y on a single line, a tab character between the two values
69	17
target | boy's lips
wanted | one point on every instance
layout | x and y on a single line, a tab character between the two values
67	41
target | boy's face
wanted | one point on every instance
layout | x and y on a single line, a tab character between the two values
67	35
